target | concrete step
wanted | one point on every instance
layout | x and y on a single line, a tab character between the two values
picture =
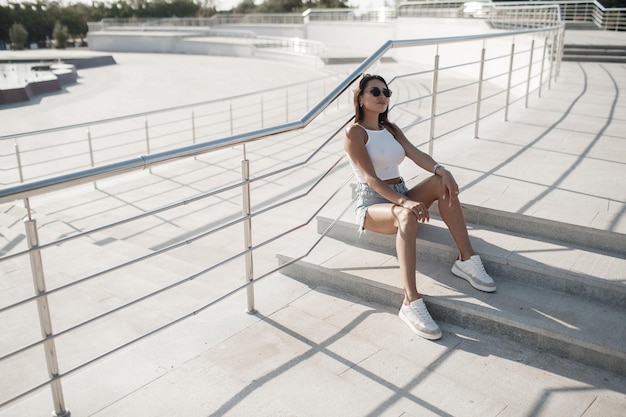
565	233
594	49
594	53
581	26
568	325
573	260
594	58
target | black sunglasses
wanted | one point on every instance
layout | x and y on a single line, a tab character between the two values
375	91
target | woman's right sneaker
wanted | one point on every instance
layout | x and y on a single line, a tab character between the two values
474	272
417	317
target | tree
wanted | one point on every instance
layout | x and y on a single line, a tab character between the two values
76	18
60	35
280	6
6	20
286	6
326	4
35	19
245	7
19	36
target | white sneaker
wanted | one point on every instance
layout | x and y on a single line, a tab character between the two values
474	272
416	316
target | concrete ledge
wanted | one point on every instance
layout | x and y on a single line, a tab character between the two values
604	240
59	72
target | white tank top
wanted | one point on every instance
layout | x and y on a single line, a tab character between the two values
385	152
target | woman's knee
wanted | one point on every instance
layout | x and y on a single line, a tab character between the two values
405	218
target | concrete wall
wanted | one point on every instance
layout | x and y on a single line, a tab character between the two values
350	39
154	42
213	46
279	31
344	40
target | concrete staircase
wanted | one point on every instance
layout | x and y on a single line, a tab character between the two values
561	287
595	53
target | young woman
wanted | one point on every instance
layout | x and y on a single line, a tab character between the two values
376	147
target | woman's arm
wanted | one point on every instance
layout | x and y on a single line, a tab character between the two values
425	161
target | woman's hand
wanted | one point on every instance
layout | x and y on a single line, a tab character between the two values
418	209
450	187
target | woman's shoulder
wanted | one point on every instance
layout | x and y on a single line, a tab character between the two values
355	130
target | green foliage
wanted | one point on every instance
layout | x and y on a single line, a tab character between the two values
296	6
39	17
60	35
613	3
19	36
244	7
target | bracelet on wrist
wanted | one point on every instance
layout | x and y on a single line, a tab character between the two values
435	168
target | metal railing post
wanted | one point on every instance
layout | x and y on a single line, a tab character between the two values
554	51
433	104
247	229
479	93
145	124
543	60
193	126
262	114
530	70
508	83
43	308
19	161
91	157
89	143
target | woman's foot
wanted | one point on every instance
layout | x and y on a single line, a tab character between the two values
473	271
417	317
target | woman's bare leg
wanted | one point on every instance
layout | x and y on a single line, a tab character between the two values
389	219
431	190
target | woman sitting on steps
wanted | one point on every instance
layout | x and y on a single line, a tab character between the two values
375	148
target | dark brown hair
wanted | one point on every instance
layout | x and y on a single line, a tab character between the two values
358	110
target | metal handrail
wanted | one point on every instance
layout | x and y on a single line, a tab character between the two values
90	142
150	112
61	182
39	187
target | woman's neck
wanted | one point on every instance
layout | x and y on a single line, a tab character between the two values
370	123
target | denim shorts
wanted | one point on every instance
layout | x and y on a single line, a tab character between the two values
366	197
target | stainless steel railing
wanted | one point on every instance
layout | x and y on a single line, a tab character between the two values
168	234
570	11
97	142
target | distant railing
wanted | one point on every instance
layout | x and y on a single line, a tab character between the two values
570	11
432	9
137	247
215	20
514	16
310	15
384	14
